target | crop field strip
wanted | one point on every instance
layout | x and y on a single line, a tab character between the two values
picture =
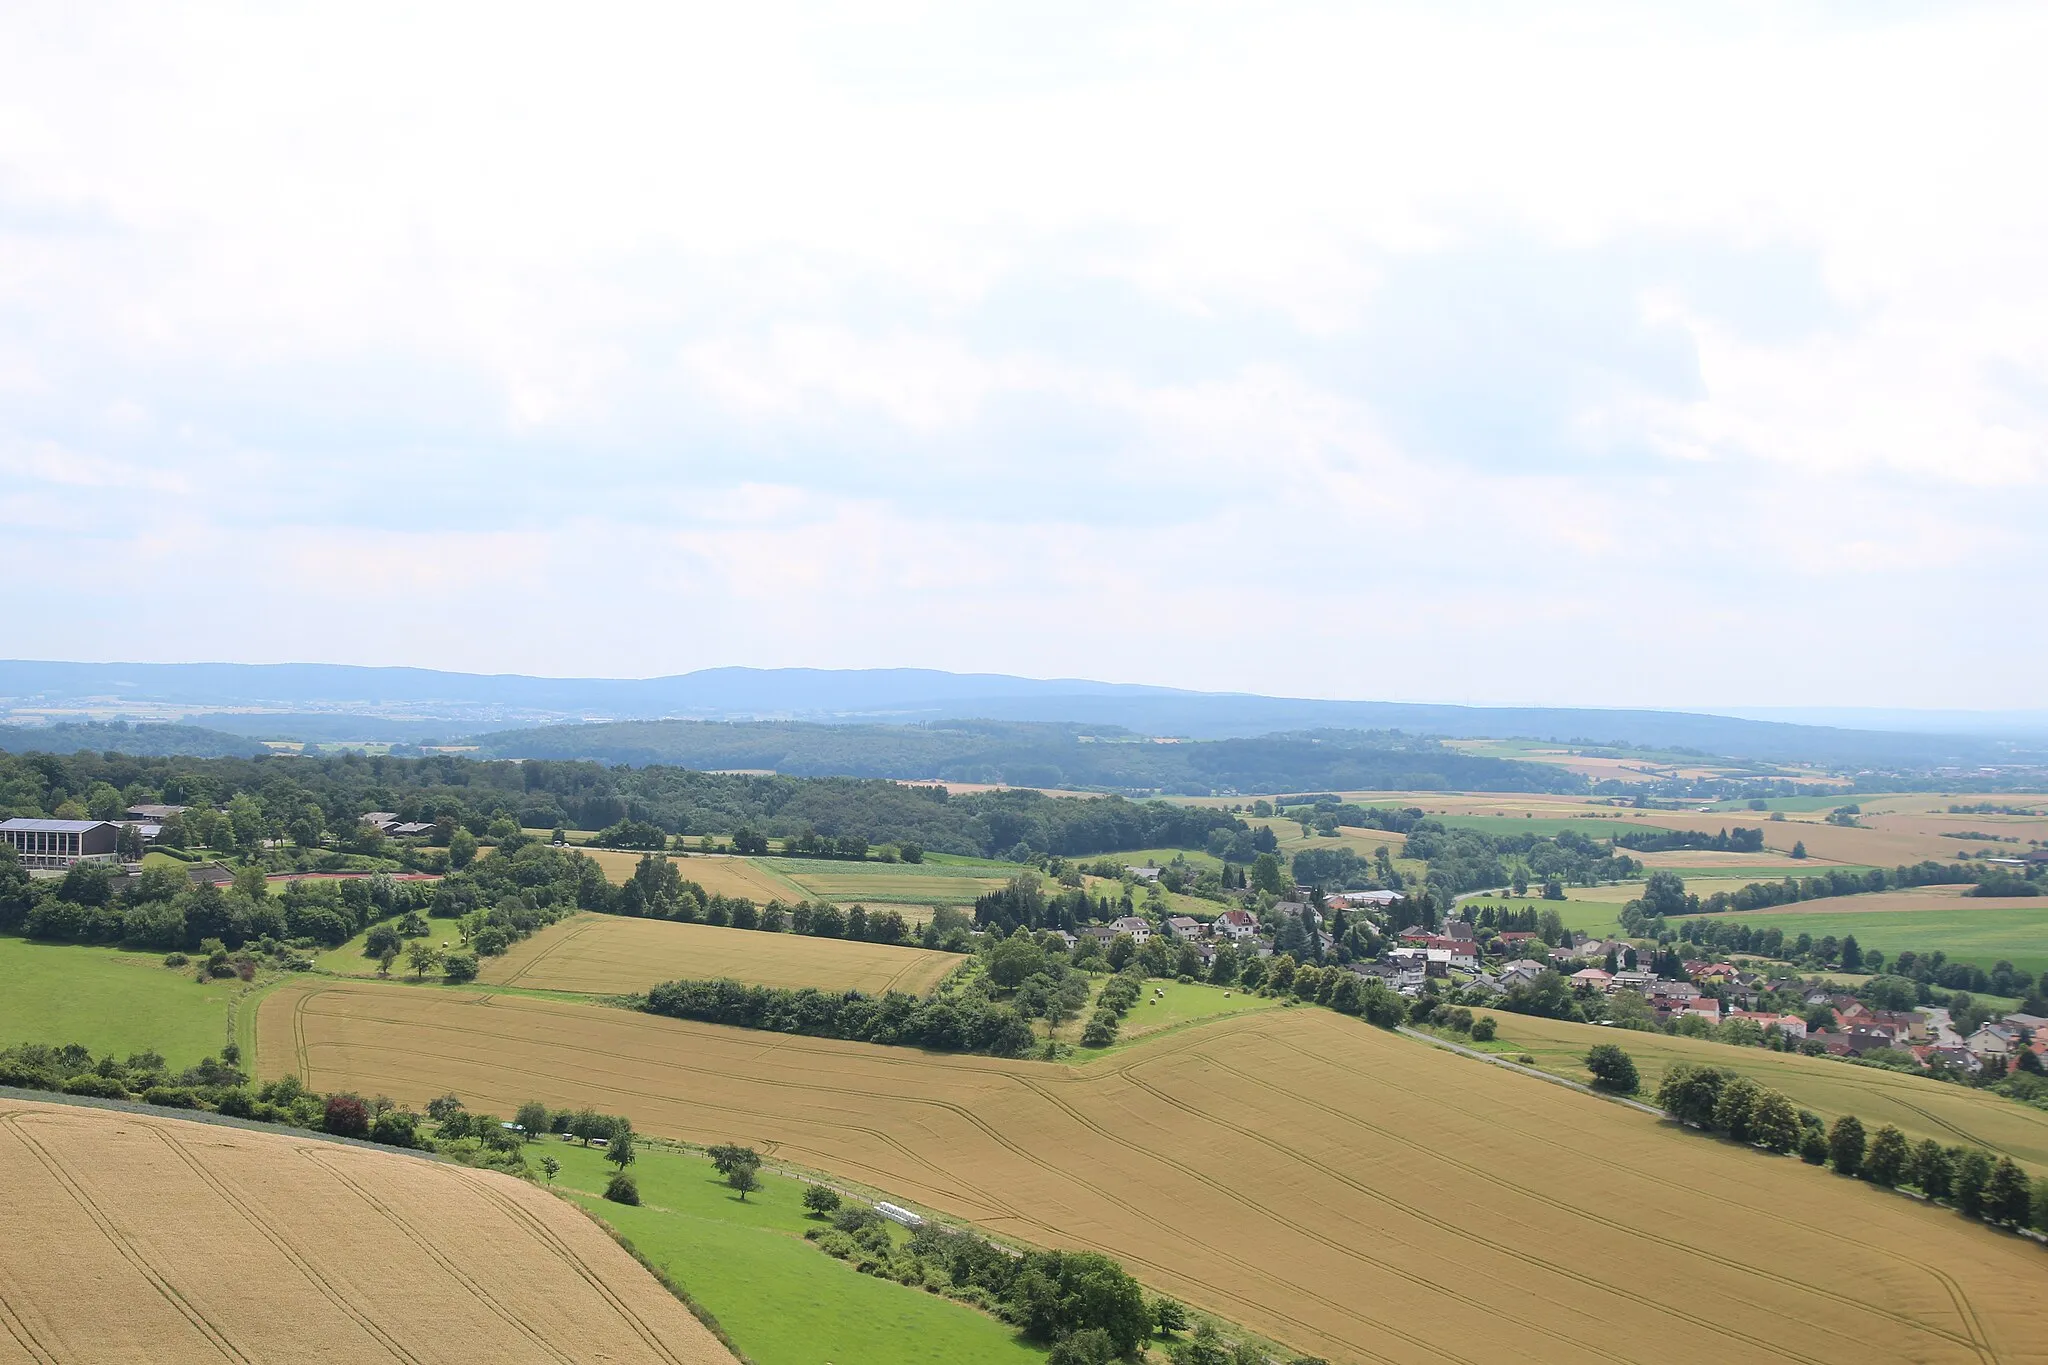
604	954
127	1237
1919	1106
1341	1189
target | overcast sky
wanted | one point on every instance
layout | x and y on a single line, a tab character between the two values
1542	354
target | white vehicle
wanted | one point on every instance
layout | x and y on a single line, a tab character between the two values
896	1213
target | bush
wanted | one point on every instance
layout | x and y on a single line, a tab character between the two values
346	1116
1483	1029
170	1097
96	1086
1613	1070
176	960
459	967
622	1189
236	1103
396	1128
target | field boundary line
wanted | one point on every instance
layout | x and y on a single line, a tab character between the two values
1579	1086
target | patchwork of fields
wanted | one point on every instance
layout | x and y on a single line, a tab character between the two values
125	1238
604	955
1341	1189
1919	1106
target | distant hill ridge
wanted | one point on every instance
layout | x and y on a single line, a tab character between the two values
413	703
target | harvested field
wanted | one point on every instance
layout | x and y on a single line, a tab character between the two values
1347	1191
718	874
1919	1106
608	955
144	1239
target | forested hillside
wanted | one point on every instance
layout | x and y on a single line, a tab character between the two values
1043	755
300	797
147	740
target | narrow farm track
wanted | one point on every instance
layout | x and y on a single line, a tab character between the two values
128	1238
1353	1194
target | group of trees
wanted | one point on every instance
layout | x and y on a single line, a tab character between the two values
1790	891
1660	840
964	1024
1995	1189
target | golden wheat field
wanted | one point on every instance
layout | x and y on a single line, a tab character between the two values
1347	1191
1920	1107
605	955
127	1238
718	874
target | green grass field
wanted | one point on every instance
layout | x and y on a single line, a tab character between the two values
110	1001
1176	1004
913	883
782	1301
1979	931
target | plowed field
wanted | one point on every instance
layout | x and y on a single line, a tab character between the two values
1344	1190
126	1238
605	955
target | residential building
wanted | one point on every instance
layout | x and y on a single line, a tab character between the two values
1185	927
1592	976
1138	928
1994	1040
60	843
1520	973
1238	924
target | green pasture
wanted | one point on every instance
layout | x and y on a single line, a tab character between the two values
903	882
1983	932
109	1000
1169	1005
780	1299
1799	805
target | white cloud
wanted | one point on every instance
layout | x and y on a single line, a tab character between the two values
1307	338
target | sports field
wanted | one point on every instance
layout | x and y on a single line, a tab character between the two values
1916	1104
147	1240
608	955
1346	1191
109	1000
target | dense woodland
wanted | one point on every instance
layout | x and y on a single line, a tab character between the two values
291	797
1045	755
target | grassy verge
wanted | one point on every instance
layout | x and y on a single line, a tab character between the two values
779	1299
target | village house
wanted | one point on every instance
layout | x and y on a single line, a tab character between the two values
1140	929
1994	1041
1237	924
1592	976
1185	927
1520	973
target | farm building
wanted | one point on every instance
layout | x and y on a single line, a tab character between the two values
60	843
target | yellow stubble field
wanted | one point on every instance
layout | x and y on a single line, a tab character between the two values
127	1238
606	955
1343	1190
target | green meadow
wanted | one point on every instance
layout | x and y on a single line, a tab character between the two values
1980	931
780	1299
109	1000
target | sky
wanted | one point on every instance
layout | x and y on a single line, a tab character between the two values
1535	354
